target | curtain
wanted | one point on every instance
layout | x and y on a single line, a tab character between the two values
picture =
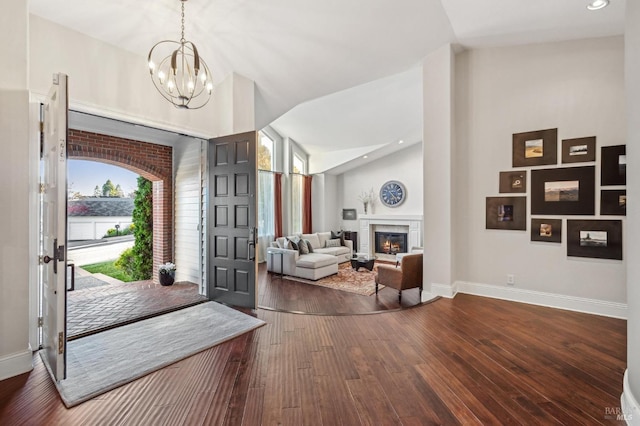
277	204
297	207
266	218
307	223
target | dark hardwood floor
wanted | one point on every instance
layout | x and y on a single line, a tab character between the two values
468	360
285	295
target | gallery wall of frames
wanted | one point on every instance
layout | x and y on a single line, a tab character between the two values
559	191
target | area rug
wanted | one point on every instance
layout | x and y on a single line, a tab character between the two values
104	361
361	282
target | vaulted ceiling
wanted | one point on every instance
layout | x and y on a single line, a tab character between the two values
333	74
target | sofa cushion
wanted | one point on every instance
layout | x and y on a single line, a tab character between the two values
340	235
333	243
334	251
323	236
315	260
313	239
303	248
309	246
281	242
291	244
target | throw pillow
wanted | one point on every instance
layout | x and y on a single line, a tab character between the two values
292	245
333	243
340	235
303	248
309	245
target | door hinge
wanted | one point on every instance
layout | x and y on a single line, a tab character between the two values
60	343
42	127
40	321
42	188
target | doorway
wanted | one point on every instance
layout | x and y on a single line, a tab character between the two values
152	154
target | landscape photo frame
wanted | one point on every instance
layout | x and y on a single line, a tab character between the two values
613	202
513	182
613	170
546	230
563	191
579	150
349	214
537	148
600	239
506	213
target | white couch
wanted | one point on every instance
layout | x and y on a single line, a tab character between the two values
313	266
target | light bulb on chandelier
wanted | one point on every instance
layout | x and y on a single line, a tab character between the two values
179	73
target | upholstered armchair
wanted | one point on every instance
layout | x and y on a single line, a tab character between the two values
409	275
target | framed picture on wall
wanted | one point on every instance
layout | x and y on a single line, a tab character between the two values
613	202
614	165
600	239
349	214
546	230
579	150
513	181
535	148
569	190
508	213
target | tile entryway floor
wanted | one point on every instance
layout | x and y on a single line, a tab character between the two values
99	302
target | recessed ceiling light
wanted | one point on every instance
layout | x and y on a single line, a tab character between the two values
365	156
597	4
400	141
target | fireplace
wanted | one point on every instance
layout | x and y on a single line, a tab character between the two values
390	242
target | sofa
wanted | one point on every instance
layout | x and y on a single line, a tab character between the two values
323	252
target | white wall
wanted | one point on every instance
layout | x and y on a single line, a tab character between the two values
18	186
404	166
439	169
631	394
324	203
575	86
187	209
15	256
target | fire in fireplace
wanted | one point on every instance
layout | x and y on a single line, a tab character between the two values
390	242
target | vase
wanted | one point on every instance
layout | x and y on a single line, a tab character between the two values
166	279
365	207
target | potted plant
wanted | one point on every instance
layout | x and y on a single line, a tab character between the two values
167	273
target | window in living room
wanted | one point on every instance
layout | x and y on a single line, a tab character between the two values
297	189
266	217
266	197
266	155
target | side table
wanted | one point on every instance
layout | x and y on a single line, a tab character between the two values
271	251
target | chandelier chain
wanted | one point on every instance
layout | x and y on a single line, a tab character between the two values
182	39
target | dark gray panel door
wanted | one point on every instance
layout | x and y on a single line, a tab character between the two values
232	211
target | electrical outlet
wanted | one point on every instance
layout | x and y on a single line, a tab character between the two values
511	279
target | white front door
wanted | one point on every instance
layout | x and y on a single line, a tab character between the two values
54	227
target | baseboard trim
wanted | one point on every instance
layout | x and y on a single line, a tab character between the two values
628	403
15	364
444	290
426	296
559	301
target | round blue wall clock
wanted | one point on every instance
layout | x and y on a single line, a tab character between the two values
393	193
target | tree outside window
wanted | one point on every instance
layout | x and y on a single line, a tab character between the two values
265	152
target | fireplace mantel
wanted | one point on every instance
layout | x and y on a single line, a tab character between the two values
412	222
374	218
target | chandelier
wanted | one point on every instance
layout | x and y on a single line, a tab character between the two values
179	73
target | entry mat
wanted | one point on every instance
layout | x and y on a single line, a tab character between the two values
103	361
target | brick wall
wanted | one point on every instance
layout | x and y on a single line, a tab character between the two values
153	162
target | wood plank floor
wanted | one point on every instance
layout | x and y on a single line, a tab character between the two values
468	360
291	296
